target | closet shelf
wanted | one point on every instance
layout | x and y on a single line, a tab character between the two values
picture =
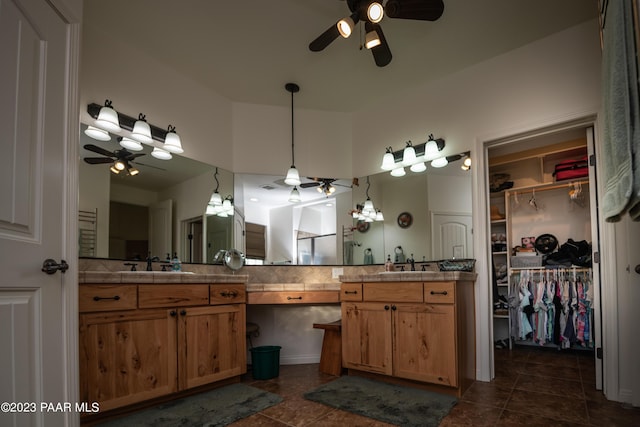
547	186
500	253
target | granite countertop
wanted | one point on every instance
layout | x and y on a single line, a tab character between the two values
99	277
410	276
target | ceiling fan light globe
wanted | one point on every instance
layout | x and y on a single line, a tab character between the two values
119	165
375	12
293	177
345	26
133	171
108	119
161	154
172	143
130	144
97	133
372	40
141	132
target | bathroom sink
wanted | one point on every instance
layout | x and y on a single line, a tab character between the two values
397	273
155	272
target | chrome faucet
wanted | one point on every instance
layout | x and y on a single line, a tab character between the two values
412	261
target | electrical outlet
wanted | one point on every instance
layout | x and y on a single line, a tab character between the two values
337	272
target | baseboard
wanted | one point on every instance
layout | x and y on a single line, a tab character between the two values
299	359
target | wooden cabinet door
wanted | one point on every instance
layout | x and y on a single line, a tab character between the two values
127	356
211	344
366	337
424	343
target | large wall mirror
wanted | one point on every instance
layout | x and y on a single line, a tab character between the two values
160	210
427	216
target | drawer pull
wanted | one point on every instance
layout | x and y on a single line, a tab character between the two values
438	293
183	312
290	298
351	292
115	298
173	313
227	294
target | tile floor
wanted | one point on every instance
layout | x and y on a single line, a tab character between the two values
533	387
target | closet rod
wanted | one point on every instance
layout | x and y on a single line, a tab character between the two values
545	187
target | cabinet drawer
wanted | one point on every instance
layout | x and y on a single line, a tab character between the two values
351	292
293	297
439	292
107	297
393	291
227	294
172	295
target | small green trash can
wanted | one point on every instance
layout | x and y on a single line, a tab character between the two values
265	362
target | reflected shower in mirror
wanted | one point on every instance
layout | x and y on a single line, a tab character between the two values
159	210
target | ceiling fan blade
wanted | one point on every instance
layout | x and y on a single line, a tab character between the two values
97	160
131	156
309	184
423	10
381	53
324	39
148	166
98	150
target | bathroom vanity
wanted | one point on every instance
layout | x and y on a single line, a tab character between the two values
417	327
145	335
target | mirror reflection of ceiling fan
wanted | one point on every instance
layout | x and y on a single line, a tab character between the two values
323	185
121	160
371	13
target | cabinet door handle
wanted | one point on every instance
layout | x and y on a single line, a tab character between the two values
173	313
394	308
438	293
290	298
351	292
183	312
386	307
228	294
115	298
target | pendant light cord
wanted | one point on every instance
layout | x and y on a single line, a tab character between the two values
215	176
293	162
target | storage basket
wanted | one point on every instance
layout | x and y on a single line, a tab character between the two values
526	261
456	264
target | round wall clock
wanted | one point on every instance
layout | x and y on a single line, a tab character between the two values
405	220
362	226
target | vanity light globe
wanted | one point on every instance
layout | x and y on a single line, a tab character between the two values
142	132
108	119
388	162
172	143
97	133
409	156
418	167
398	172
161	154
130	144
379	216
439	163
431	150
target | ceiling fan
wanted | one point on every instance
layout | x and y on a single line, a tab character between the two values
121	159
324	185
371	13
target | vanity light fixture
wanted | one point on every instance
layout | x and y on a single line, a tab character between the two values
217	205
294	196
293	177
439	162
141	132
107	118
412	156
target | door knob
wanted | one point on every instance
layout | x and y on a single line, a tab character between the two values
49	266
637	268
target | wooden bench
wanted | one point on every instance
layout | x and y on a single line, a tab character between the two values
331	356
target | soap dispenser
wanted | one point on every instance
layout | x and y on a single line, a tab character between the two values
388	266
175	262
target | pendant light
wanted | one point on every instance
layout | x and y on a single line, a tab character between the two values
293	177
217	205
294	196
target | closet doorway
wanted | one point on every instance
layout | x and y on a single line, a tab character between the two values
543	231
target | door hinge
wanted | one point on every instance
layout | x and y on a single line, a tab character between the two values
592	160
596	257
599	353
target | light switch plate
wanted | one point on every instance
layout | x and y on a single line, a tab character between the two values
337	272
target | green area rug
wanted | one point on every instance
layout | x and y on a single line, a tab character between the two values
402	406
218	407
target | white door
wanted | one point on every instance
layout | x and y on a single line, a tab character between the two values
34	97
451	235
160	230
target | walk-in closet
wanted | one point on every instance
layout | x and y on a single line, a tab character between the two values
543	266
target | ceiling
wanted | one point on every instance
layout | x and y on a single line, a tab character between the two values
247	50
